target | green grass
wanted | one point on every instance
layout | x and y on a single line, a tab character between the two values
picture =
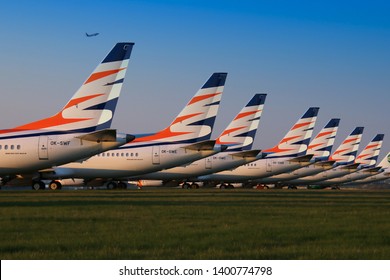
195	224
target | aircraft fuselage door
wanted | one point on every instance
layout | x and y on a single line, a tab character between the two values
43	147
156	154
208	163
269	165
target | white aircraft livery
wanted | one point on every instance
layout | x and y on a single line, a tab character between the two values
80	130
320	147
186	139
381	175
287	155
367	160
238	137
343	158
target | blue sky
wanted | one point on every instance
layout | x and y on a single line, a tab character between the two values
330	54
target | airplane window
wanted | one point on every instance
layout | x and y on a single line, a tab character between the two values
1	147
136	154
117	154
5	147
18	147
12	147
127	154
131	154
113	154
122	154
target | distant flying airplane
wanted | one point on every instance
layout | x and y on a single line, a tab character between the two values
91	35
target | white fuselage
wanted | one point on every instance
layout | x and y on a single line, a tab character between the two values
380	176
215	163
255	170
33	153
308	170
126	162
335	172
358	175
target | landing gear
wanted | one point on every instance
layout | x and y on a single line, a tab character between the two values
55	185
188	185
111	185
122	185
38	185
226	186
114	185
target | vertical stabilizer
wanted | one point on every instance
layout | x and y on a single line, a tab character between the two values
240	133
346	152
369	156
296	141
92	107
321	146
196	121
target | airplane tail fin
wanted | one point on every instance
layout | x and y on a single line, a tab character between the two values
369	156
296	141
92	107
321	146
196	121
385	163
240	133
346	152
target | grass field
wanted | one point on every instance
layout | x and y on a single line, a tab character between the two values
195	224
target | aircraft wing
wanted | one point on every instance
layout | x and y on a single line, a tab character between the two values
246	154
304	158
105	135
200	146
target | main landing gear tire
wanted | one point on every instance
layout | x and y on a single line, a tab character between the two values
38	185
55	185
111	185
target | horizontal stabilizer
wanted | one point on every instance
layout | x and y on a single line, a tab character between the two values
350	166
105	135
325	163
201	146
47	170
305	158
373	169
246	154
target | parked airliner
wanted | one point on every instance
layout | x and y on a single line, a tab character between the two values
80	130
367	160
344	158
287	155
320	147
381	175
186	139
238	137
